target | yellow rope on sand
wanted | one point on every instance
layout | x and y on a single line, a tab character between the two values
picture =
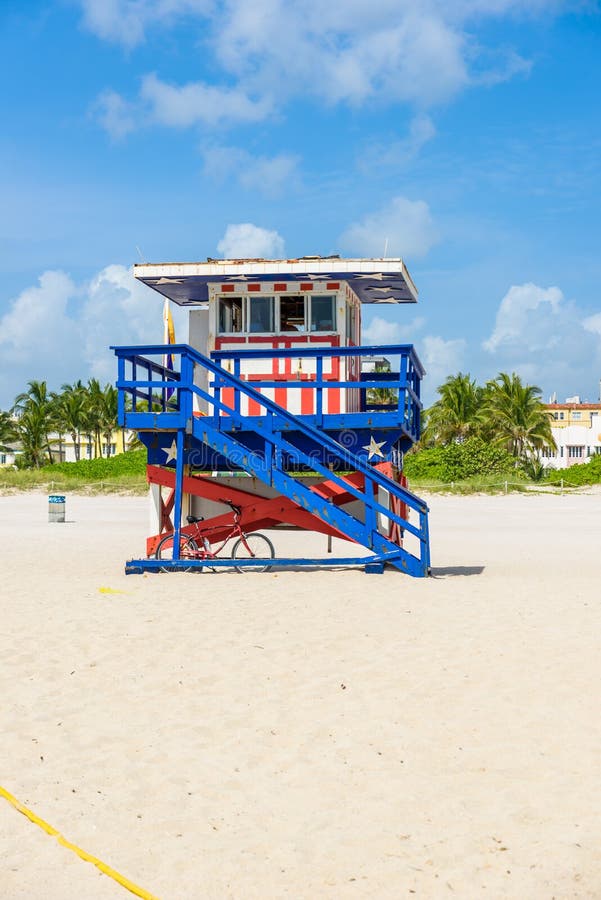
125	882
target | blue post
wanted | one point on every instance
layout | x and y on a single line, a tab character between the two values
319	391
236	391
403	381
370	514
120	393
179	484
424	542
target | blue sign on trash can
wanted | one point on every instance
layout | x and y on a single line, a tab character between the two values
56	508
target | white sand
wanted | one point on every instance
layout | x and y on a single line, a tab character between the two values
305	735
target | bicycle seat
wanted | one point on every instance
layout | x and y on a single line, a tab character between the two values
192	520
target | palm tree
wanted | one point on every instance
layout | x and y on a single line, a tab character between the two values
32	432
93	414
70	412
8	432
38	403
456	414
108	414
515	417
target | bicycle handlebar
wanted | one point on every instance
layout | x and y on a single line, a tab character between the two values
232	506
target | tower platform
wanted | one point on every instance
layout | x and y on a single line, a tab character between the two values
205	415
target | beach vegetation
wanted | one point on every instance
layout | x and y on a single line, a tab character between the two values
458	461
456	415
513	416
8	432
577	475
40	419
480	429
125	471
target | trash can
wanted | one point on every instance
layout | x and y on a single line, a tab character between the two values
56	508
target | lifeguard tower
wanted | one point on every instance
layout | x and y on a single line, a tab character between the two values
275	405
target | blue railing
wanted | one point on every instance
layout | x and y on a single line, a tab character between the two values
158	391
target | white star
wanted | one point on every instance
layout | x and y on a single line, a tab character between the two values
383	289
376	276
237	278
316	277
166	280
171	451
373	448
386	300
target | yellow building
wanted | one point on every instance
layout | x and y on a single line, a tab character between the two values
576	428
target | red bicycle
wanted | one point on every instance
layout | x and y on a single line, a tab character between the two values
198	545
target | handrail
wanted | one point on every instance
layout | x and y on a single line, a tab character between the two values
297	424
247	351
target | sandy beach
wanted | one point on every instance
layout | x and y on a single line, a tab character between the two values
305	735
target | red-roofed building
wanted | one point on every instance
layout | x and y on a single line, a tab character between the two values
576	428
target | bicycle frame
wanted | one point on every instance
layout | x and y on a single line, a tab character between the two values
202	535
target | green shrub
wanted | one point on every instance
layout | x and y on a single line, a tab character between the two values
133	462
456	462
586	473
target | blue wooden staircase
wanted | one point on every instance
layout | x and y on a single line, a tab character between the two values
159	403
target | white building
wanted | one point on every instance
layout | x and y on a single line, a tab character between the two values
576	429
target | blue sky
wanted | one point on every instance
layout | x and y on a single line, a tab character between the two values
463	135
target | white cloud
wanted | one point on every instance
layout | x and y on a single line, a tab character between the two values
403	228
37	326
384	331
201	103
514	318
269	51
547	340
58	331
247	241
401	152
177	106
268	174
125	21
384	50
593	324
441	357
115	114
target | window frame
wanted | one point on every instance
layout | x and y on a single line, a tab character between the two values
247	299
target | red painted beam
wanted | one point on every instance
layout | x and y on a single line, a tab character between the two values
257	512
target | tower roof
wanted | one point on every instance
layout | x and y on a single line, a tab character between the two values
372	280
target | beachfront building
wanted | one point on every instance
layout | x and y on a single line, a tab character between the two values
576	428
275	405
65	449
8	457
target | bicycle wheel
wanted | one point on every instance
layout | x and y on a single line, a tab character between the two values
253	546
188	548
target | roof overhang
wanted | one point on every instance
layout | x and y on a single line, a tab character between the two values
372	280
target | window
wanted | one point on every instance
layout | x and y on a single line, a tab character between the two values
2	459
546	453
556	416
261	314
231	319
575	452
561	415
323	313
351	324
293	314
576	415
